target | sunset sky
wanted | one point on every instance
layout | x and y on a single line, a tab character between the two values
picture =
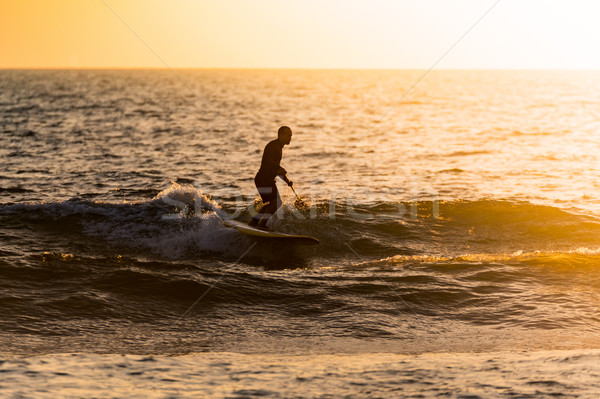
555	34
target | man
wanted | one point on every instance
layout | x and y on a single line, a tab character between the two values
265	178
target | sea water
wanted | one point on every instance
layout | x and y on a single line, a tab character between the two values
458	220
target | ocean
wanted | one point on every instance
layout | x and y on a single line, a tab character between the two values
457	215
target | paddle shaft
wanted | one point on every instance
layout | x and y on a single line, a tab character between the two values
299	201
294	190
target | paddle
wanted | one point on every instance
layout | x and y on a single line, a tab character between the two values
294	190
299	202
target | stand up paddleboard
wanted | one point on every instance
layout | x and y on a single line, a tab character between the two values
256	232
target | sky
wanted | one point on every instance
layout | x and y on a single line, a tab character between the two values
406	34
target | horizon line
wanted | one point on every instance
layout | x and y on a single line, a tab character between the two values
292	68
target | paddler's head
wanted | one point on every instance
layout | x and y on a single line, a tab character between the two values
284	134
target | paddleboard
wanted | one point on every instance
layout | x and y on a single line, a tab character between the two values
256	232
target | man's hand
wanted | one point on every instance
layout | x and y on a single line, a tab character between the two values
288	181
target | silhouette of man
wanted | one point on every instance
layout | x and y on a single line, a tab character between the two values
265	178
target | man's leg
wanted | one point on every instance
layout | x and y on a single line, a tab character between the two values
269	209
265	212
263	215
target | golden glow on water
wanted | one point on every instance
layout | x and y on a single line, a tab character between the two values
222	374
577	258
308	34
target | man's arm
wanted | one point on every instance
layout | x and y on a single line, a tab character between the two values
271	159
283	174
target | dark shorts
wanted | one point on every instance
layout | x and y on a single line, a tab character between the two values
266	188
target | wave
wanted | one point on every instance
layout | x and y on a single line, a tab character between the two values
548	291
382	270
182	222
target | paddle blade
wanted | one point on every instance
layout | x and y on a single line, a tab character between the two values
301	204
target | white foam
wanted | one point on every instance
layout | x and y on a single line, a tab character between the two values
179	222
188	199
